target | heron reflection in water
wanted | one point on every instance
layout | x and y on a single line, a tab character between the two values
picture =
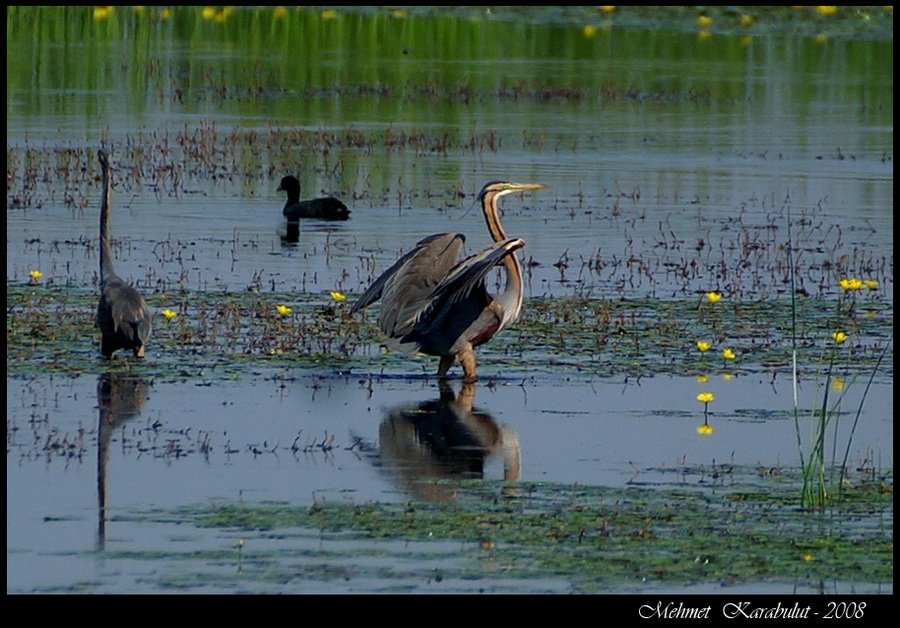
444	438
433	303
120	398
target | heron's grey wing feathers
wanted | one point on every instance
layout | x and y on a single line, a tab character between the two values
423	247
405	287
409	290
125	305
466	277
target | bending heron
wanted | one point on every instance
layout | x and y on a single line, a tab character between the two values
435	304
122	313
326	208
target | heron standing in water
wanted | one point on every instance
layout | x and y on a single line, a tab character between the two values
433	303
122	313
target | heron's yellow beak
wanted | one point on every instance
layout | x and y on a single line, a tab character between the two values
522	187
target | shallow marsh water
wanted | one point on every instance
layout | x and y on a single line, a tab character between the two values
674	161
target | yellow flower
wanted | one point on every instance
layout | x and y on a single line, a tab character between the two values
871	284
338	297
329	14
166	13
746	20
609	9
702	379
706	397
826	11
208	13
713	297
284	310
706	429
36	275
838	384
399	13
169	314
851	284
101	13
839	337
589	31
809	558
704	21
279	12
727	377
728	354
703	346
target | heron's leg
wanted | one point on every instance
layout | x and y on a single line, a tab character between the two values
467	359
446	362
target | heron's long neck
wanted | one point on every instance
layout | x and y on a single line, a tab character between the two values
512	294
511	297
106	258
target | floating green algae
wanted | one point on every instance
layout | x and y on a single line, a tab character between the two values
746	529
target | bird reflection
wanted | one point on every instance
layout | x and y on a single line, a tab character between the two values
120	399
444	438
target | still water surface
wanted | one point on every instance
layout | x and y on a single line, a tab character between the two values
651	141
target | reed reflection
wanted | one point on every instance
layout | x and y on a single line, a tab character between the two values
120	399
444	438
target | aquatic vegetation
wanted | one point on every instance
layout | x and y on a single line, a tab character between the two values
639	337
823	480
706	398
741	527
852	284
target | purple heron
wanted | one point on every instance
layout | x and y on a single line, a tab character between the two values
434	303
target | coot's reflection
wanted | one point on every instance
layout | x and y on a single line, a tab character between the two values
444	438
120	399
